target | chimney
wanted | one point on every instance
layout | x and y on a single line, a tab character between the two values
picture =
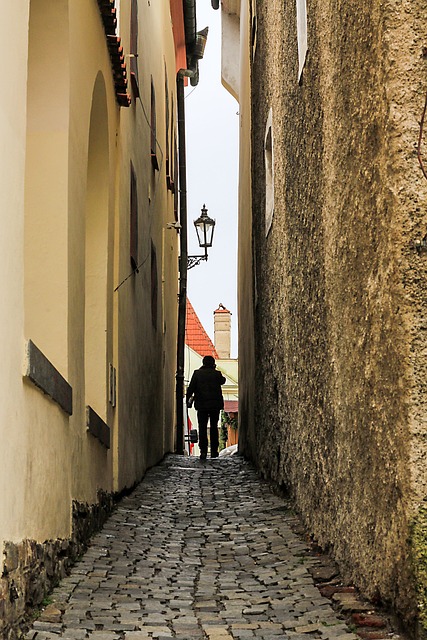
222	331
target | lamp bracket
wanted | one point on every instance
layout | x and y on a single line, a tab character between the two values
193	261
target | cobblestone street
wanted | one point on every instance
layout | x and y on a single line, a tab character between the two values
197	551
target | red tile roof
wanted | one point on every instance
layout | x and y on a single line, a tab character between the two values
231	406
195	335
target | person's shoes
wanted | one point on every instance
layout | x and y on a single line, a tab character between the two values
215	454
203	456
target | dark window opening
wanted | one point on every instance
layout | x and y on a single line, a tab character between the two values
168	162
154	286
133	219
133	63
153	124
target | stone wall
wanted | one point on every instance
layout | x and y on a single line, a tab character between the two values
340	293
31	569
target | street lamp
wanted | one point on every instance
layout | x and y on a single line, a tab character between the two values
205	227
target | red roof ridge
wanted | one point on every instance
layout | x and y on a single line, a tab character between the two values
195	335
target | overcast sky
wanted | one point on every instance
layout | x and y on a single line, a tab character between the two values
212	125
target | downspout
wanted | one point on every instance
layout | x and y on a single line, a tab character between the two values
182	296
190	23
195	44
189	8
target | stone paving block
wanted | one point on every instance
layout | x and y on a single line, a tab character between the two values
157	631
338	631
218	562
217	632
103	635
271	626
309	628
74	634
244	633
244	625
47	627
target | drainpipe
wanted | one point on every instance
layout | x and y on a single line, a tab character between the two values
182	296
195	45
190	27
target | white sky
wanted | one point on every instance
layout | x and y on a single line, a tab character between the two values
212	126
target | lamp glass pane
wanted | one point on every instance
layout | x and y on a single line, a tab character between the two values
204	229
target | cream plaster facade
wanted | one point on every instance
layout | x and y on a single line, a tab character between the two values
67	283
237	18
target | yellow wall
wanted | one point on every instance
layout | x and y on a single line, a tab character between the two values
65	248
12	160
145	421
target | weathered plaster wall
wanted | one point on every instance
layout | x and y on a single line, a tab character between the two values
340	295
65	246
147	350
12	137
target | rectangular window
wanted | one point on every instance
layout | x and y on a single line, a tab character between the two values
269	172
168	163
133	219
302	34
254	28
172	159
153	124
154	286
134	47
118	17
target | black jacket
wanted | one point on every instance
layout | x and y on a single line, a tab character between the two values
205	385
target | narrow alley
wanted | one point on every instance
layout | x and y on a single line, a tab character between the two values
197	551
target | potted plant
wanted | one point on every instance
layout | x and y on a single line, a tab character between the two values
229	427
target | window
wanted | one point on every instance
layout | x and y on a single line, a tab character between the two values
153	124
134	47
269	172
168	167
171	157
154	286
254	29
118	16
301	34
133	219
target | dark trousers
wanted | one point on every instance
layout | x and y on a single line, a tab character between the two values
203	417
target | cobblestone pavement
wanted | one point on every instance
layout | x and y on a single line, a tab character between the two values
197	551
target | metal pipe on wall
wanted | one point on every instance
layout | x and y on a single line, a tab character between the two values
182	296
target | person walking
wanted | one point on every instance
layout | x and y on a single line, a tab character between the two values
205	390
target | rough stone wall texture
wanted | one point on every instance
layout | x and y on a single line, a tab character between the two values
340	294
31	569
